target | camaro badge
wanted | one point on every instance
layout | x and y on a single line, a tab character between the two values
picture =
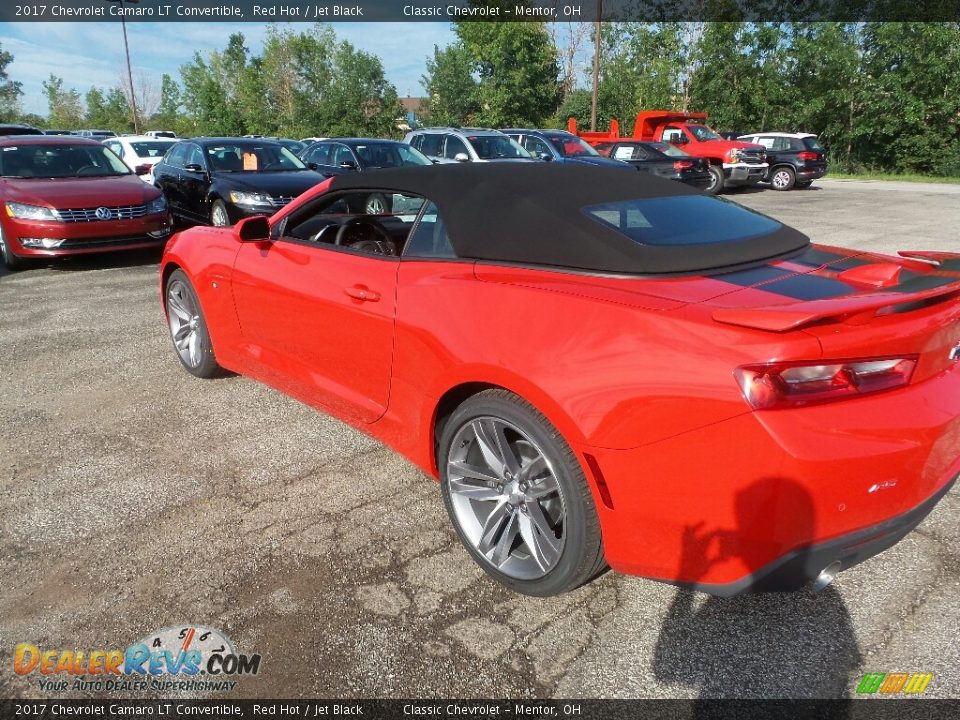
955	352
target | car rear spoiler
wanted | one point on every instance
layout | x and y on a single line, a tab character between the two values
793	316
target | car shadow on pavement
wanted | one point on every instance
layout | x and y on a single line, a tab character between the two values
723	648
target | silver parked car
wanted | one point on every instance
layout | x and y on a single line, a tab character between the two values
447	145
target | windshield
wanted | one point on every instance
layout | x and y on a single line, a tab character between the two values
703	133
294	146
388	155
60	161
668	149
151	148
682	220
496	147
252	157
571	145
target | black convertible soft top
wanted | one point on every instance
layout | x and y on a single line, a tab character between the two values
533	213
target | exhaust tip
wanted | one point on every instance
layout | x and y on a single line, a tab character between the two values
826	576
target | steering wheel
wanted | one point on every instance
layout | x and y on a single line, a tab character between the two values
366	235
85	168
322	235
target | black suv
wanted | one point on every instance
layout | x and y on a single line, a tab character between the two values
795	159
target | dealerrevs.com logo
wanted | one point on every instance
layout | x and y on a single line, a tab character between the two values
181	658
894	683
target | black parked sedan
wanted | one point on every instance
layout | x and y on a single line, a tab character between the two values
342	155
218	181
661	159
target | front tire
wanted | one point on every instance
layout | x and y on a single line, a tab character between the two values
11	261
783	178
716	180
518	497
188	328
219	217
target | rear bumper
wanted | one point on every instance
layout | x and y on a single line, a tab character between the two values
801	567
725	506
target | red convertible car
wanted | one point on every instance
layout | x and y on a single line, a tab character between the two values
601	370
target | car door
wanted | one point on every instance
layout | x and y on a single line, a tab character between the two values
166	176
195	183
318	320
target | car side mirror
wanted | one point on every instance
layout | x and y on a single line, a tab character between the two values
348	165
193	167
252	229
313	165
461	157
142	169
545	156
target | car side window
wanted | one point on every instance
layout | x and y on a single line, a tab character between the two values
671	135
341	153
116	147
431	144
320	154
767	142
781	143
429	238
454	147
176	156
194	156
535	146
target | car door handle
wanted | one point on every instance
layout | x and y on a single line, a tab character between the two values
363	294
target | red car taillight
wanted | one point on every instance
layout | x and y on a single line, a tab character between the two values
683	164
781	385
806	155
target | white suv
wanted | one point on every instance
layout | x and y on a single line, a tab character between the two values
447	145
140	150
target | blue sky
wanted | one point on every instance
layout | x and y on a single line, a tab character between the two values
91	54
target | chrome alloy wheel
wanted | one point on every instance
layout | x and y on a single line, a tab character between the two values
781	179
376	205
184	319
220	218
506	498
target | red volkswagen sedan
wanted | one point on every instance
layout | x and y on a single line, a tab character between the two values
600	370
68	196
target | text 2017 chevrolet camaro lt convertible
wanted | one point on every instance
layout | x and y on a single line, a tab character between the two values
600	369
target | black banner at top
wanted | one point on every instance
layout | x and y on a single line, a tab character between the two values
310	11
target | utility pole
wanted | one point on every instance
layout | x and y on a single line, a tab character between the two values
596	69
126	48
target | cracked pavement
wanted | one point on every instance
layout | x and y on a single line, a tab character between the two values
135	497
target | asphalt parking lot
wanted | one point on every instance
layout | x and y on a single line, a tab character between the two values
135	497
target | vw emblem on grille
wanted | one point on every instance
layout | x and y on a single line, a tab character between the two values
103	213
955	352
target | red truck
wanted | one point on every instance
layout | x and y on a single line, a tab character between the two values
732	162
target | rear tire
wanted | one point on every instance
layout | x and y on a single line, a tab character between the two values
12	262
783	178
716	180
188	328
517	496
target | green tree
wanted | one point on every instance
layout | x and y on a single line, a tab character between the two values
211	89
169	111
65	109
518	71
10	90
359	99
109	110
911	97
453	95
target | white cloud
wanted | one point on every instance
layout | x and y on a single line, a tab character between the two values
91	54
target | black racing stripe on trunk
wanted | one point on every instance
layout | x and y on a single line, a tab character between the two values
837	261
788	283
918	283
